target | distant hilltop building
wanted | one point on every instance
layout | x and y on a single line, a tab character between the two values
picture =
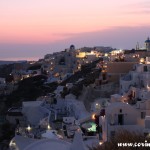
147	44
72	47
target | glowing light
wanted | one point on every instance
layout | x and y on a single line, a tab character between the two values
100	143
28	76
93	117
103	70
142	60
28	128
12	143
106	55
93	127
79	67
148	87
56	74
105	66
48	127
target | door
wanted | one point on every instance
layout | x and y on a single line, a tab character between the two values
120	119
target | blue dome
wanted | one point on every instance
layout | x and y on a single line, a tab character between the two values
148	40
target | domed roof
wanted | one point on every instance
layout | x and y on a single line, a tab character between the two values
148	40
25	143
72	46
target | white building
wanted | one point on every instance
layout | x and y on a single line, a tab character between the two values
119	116
61	62
147	60
15	116
34	111
75	107
139	77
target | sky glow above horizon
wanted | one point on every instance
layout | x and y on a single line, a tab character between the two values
35	27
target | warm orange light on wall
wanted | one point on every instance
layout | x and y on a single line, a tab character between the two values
93	117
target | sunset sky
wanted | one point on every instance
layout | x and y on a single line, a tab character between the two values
31	28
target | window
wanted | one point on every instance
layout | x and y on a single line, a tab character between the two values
145	69
121	86
104	76
143	114
135	67
142	84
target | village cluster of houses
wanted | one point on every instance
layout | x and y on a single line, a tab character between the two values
94	117
57	66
